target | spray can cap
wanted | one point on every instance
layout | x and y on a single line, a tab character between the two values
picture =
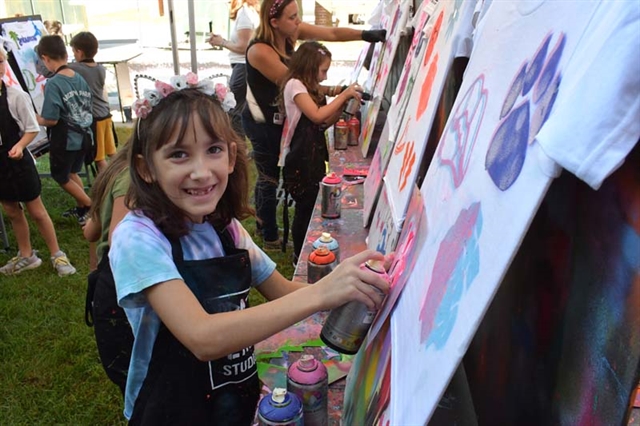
326	237
341	122
307	363
375	265
332	178
278	395
322	256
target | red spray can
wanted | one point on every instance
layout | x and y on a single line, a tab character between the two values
309	380
341	134
354	131
321	262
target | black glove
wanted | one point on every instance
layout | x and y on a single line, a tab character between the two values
374	36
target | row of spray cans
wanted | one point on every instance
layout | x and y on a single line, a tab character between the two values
347	129
304	402
324	258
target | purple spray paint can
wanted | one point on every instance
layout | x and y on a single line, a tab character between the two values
309	380
332	244
280	408
347	325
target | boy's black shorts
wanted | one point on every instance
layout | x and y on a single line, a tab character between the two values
63	163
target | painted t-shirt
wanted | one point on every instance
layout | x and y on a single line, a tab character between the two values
140	258
246	19
292	89
68	99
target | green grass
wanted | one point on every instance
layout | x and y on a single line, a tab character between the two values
50	372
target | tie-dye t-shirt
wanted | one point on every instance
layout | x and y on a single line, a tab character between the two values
140	257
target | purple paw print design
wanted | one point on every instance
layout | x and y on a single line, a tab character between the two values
525	109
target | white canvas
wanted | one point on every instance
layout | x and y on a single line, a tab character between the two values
383	234
394	20
449	35
481	191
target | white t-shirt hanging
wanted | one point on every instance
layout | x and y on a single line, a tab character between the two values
246	19
293	88
596	116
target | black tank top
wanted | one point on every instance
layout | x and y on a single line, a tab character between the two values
264	90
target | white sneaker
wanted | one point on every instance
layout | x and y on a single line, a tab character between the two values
62	265
19	264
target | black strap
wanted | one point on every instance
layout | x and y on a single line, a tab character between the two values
285	221
60	68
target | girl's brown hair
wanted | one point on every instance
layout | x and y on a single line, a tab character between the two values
174	113
265	31
304	66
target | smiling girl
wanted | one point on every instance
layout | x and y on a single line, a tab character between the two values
183	266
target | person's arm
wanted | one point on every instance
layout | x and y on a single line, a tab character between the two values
16	152
45	122
118	213
91	230
322	114
211	336
316	32
240	46
263	58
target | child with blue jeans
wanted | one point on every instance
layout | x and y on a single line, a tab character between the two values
66	112
183	265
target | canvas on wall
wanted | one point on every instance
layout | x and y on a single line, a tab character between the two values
367	393
449	38
487	179
20	38
373	182
394	19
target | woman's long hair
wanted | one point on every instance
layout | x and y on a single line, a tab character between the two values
265	31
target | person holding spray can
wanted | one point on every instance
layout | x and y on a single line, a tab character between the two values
303	147
347	326
183	266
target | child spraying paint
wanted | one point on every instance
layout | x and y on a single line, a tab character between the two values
183	265
303	148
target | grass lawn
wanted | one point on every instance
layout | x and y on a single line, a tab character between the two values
50	372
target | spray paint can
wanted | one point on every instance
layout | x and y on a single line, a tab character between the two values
309	380
331	243
321	262
331	187
280	408
347	325
354	131
341	134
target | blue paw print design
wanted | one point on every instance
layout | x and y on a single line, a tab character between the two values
536	86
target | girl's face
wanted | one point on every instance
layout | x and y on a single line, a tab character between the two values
323	70
194	172
288	22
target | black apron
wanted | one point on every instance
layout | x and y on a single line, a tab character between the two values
181	390
58	137
20	180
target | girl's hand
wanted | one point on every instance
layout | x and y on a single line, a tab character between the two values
354	91
16	153
349	281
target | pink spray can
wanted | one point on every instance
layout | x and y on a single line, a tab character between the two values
309	380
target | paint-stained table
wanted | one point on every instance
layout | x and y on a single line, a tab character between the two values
350	233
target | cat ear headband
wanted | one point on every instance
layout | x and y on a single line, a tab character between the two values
152	97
